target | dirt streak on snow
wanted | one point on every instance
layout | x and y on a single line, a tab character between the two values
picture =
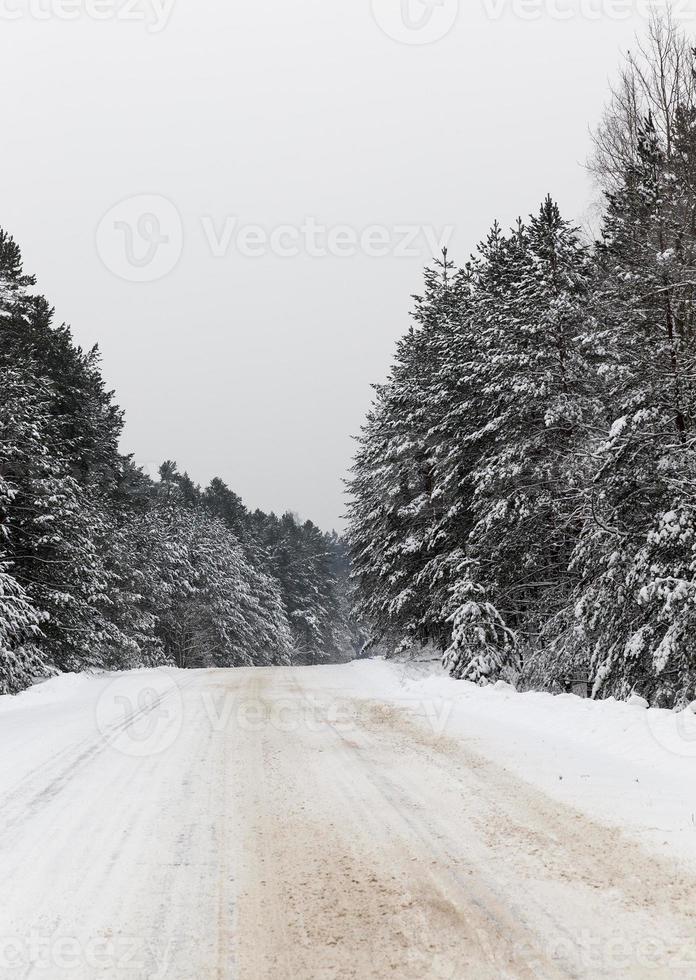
335	822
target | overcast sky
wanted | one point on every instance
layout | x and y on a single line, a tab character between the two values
192	183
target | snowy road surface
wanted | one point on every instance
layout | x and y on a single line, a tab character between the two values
337	822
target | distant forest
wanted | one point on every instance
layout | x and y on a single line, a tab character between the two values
102	567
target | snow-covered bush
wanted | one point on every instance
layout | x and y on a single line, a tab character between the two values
483	649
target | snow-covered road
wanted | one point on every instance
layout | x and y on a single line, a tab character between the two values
336	822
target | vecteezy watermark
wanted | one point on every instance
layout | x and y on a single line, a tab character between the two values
415	21
674	731
344	716
315	240
590	10
140	717
615	955
100	955
576	952
425	21
141	238
154	14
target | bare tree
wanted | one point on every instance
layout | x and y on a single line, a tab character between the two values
656	81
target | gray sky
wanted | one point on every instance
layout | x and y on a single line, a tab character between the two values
226	115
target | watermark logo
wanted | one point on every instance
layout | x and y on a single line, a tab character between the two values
154	14
141	239
674	731
315	240
415	21
143	720
96	956
589	10
291	715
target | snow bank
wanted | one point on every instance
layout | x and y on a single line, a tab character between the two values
66	687
55	714
620	764
60	688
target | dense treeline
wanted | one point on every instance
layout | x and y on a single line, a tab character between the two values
101	566
524	495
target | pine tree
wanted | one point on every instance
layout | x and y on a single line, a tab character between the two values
395	512
20	659
636	553
482	648
51	527
468	458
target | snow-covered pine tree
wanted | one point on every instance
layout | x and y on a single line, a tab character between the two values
395	508
535	373
20	659
51	527
636	555
494	392
483	648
